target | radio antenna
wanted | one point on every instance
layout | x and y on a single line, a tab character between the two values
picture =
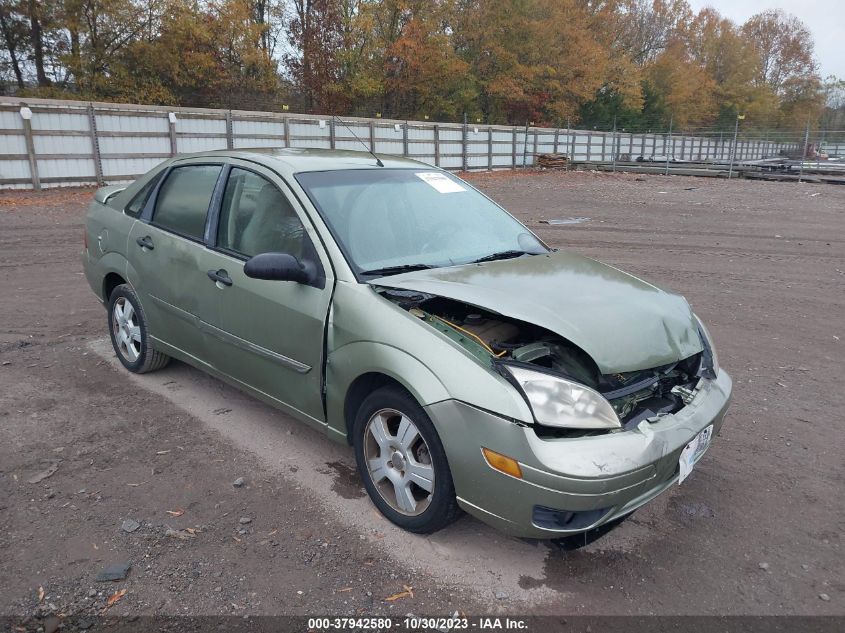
367	147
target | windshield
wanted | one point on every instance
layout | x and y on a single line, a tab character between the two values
390	220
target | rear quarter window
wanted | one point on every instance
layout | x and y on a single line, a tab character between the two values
135	207
183	199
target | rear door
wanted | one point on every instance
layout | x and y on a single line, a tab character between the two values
270	333
165	255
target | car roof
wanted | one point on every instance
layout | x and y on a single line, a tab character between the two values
301	159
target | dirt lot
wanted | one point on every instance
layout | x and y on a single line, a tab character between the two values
757	529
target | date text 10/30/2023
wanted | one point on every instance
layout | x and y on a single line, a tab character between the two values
418	623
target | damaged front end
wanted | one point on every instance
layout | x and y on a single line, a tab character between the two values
567	393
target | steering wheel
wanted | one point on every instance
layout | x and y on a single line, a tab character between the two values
439	232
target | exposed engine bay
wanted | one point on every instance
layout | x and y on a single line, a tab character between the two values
635	396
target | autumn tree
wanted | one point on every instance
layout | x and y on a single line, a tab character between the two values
784	46
638	63
315	33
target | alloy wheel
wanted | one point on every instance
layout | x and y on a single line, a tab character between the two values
126	330
399	462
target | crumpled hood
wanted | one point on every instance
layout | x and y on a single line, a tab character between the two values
623	323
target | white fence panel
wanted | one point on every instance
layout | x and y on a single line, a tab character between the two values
131	139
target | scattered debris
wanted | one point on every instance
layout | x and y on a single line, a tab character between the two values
114	572
47	472
502	595
117	595
559	221
40	593
130	525
552	161
183	535
408	592
240	482
244	520
764	566
824	596
175	513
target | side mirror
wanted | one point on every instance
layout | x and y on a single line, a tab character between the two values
280	267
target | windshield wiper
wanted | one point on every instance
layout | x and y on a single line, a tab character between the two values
500	255
395	270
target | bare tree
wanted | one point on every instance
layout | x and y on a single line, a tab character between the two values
784	45
13	31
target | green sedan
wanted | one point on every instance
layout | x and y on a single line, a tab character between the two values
397	309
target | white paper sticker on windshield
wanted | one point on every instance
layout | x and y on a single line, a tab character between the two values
439	181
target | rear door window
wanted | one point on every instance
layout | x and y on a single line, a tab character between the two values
183	200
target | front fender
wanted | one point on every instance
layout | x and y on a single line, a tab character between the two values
351	361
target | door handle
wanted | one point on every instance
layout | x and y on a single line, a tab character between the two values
220	276
146	242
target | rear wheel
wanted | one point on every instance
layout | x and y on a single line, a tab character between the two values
402	462
129	334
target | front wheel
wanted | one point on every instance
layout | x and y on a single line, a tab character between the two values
402	462
129	335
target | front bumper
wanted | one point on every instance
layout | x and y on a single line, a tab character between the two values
614	472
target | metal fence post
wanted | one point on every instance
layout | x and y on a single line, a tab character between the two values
557	138
804	151
603	146
230	141
405	139
171	128
465	160
26	115
373	137
332	138
287	131
490	148
665	141
513	149
95	145
525	146
436	145
589	145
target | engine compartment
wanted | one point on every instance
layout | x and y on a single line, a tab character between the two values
635	396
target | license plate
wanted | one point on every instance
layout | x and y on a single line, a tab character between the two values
693	451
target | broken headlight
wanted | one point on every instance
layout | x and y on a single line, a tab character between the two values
709	360
562	403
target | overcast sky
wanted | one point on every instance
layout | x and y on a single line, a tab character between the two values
824	18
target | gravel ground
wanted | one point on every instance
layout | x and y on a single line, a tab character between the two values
757	529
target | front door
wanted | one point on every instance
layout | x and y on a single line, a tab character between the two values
269	334
165	251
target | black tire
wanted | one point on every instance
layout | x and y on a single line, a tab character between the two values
148	359
442	506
